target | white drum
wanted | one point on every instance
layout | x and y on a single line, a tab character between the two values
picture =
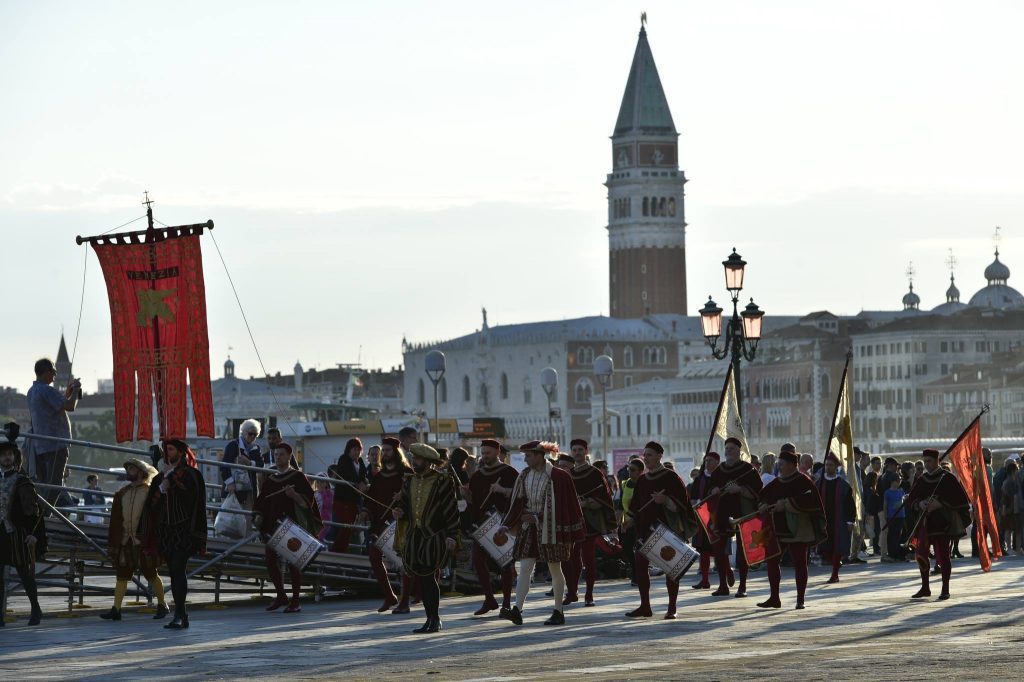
669	552
294	545
498	544
386	544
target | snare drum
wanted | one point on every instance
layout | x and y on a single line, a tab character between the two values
499	544
669	552
294	545
385	542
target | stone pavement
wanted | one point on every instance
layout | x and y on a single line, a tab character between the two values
866	627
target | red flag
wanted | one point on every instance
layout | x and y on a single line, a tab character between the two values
703	512
158	327
757	539
969	463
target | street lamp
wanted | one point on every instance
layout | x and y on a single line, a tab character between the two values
434	363
604	367
743	330
549	382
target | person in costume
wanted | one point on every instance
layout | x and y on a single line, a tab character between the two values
285	493
490	490
23	532
595	495
736	484
173	524
384	492
124	543
660	497
840	514
428	528
700	489
351	474
947	512
546	518
798	520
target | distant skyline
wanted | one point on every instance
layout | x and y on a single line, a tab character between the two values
388	170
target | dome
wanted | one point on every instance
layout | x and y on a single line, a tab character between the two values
911	301
952	293
997	272
952	303
230	364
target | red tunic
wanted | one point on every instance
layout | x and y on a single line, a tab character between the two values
480	491
954	516
734	505
383	487
273	505
805	520
646	513
591	484
568	521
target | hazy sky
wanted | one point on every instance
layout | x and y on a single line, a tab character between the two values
380	169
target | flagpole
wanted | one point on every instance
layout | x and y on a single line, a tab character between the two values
718	413
839	400
943	456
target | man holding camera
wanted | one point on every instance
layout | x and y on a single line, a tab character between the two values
48	409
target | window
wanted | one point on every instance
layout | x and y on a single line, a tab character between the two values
627	356
466	396
584	389
420	392
527	391
584	356
504	386
672	207
826	384
646	206
627	380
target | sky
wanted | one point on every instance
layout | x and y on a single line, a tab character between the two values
380	170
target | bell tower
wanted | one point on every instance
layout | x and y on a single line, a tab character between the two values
646	220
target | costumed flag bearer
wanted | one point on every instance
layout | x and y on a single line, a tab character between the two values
840	514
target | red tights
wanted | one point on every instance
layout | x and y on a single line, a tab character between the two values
722	564
274	568
798	551
483	575
643	583
583	558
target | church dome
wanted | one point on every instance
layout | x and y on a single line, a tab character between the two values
911	301
997	294
952	303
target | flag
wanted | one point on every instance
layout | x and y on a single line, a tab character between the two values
159	334
757	539
969	464
729	423
703	512
841	443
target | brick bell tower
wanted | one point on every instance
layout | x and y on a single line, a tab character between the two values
646	221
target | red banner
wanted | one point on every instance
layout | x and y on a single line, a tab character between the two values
158	327
969	463
703	511
757	539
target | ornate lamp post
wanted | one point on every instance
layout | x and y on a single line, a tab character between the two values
743	330
549	382
435	365
604	367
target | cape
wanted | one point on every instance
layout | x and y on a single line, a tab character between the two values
561	521
646	513
803	520
480	490
734	505
177	519
596	499
427	523
273	505
953	518
837	499
26	515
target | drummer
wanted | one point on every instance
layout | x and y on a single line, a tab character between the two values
286	493
385	488
598	517
489	490
660	496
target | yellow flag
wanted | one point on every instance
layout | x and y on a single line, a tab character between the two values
841	442
729	424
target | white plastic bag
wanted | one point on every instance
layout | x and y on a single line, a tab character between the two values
227	523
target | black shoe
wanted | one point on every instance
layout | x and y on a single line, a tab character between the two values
549	593
37	615
513	614
432	625
557	618
920	594
113	614
178	623
943	596
161	612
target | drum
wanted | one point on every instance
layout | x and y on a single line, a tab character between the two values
385	542
294	545
499	544
669	552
